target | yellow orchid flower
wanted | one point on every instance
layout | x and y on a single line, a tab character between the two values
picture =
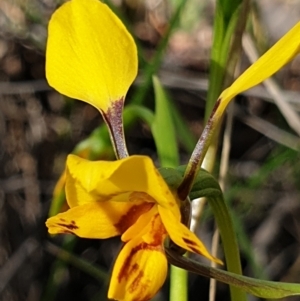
91	56
127	197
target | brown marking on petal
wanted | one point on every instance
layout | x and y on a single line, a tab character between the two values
192	245
71	226
189	242
134	268
136	284
131	216
62	219
127	269
139	287
159	230
194	250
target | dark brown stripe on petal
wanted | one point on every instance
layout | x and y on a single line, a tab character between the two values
128	268
71	226
136	284
131	216
189	242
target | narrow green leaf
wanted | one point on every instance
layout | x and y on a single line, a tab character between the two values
229	7
256	287
163	129
185	136
133	112
223	32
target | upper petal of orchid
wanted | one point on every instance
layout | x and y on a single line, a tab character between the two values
141	267
99	180
98	219
90	55
269	63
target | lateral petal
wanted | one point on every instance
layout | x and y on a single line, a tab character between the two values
182	236
97	220
90	54
141	268
269	63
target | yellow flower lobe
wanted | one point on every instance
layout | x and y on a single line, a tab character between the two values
274	59
90	55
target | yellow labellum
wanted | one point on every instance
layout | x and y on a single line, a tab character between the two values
141	267
90	55
269	63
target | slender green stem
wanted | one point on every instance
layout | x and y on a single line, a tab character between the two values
199	153
229	241
178	284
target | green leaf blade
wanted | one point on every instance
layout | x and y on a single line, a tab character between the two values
163	129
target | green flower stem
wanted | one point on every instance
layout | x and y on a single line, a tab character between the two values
199	152
178	284
229	242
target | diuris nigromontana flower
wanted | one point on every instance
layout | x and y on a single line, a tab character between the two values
127	197
91	56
